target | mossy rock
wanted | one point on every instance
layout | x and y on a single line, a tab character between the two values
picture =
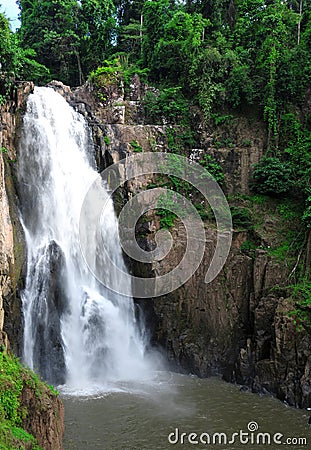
26	405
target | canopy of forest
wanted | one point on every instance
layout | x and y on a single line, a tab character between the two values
217	54
225	51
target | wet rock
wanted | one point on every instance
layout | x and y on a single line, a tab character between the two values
48	352
44	416
12	242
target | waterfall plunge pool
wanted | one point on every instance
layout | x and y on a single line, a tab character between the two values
141	416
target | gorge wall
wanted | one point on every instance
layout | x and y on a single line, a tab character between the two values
238	326
12	251
43	412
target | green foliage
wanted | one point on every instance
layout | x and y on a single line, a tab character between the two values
290	210
10	388
259	199
13	378
265	33
246	143
272	176
13	438
213	167
177	184
307	213
130	39
166	218
205	212
165	207
241	218
301	294
297	142
50	29
167	106
218	53
156	14
136	147
115	71
12	375
107	71
107	140
248	246
207	72
281	252
16	63
96	28
70	38
239	85
179	139
22	435
170	106
220	119
52	389
182	36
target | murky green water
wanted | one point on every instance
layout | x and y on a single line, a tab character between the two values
141	417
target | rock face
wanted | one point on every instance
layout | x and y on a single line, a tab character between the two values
44	418
236	328
12	247
237	145
44	413
6	247
239	325
48	352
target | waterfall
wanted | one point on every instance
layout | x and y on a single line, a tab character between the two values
75	330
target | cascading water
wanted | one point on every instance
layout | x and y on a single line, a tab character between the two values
76	332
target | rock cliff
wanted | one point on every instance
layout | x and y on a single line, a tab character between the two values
45	416
43	412
12	248
238	326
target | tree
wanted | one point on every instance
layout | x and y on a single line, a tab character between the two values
182	37
128	10
130	38
267	31
49	27
16	63
272	176
97	28
130	28
219	12
6	50
156	14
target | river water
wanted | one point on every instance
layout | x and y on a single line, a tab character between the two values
142	416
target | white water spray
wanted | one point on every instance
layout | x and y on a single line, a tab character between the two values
75	330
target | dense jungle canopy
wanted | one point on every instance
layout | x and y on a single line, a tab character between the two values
220	55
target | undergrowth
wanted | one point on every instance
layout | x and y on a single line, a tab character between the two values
13	379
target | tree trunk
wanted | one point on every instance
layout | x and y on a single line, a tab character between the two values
299	21
141	33
81	77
